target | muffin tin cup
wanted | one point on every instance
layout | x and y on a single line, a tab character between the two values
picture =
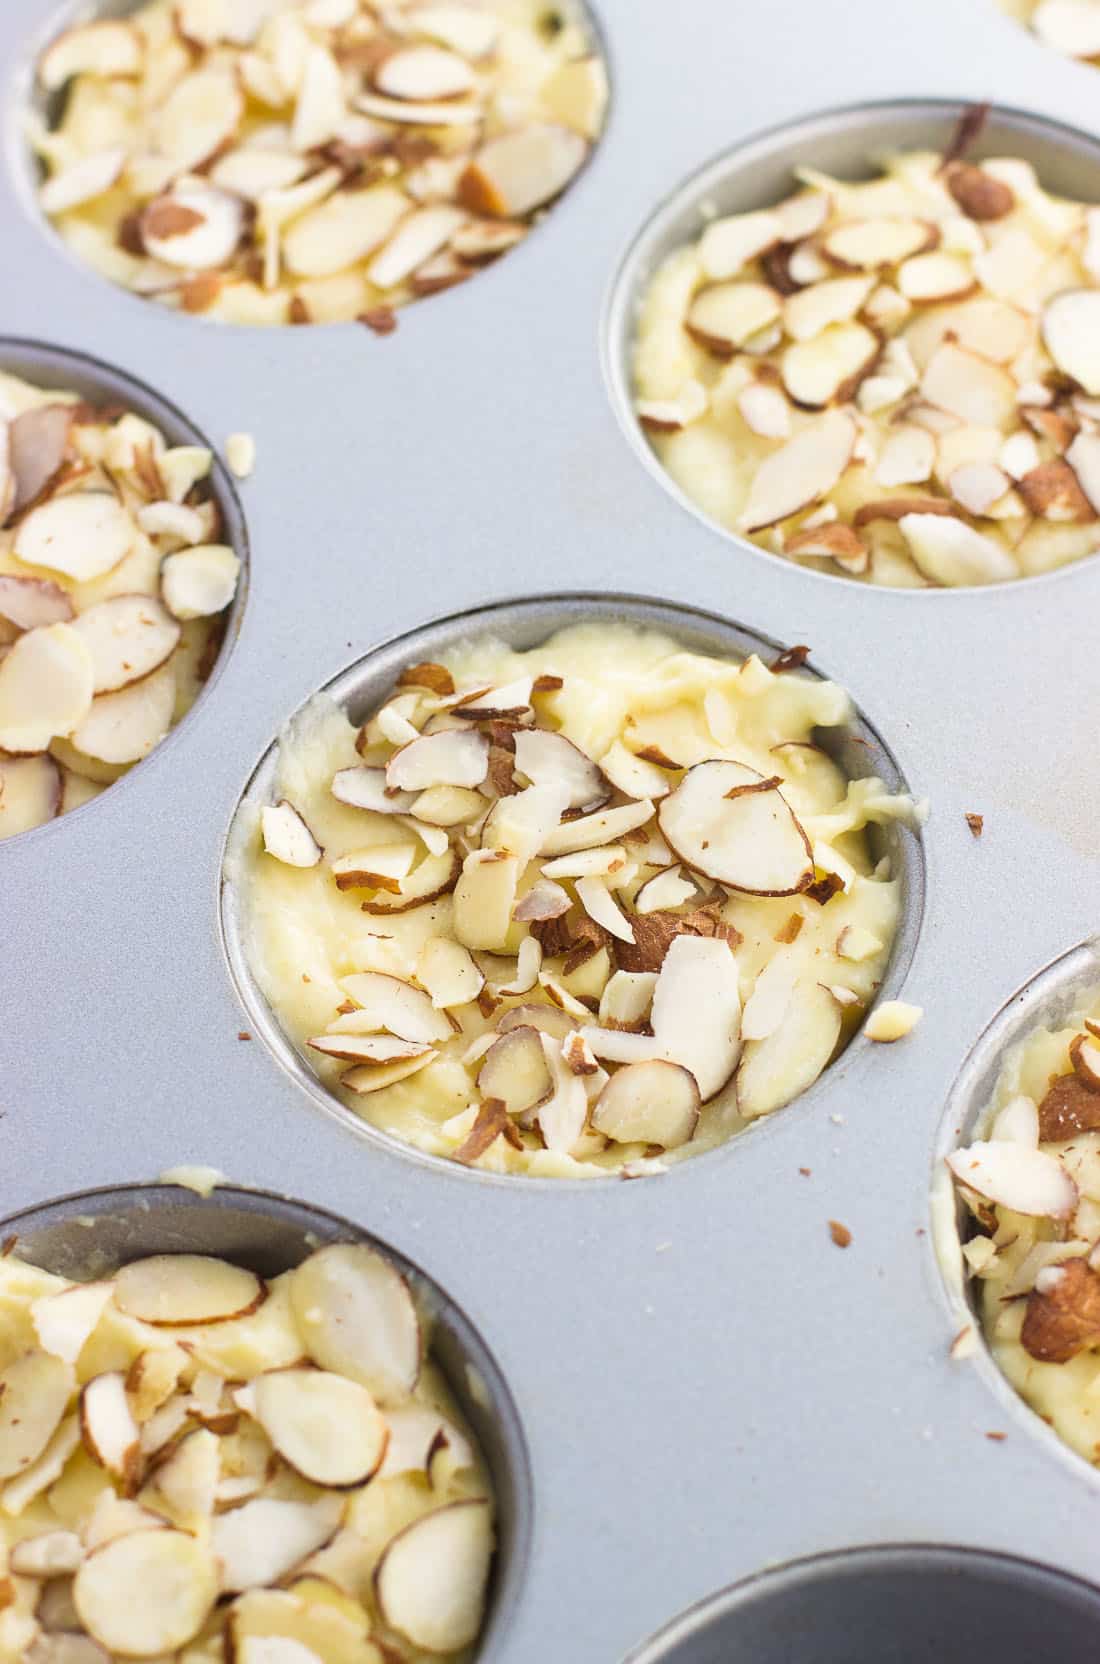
707	1384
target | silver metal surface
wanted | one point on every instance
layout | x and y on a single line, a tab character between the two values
708	1386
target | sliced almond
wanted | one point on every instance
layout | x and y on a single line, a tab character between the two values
424	74
287	837
472	33
199	582
262	1541
387	1002
671	415
723	317
449	806
730	243
367	788
416	1433
455	757
877	242
936	277
197	228
668	889
416	239
51	1554
123	727
830	367
178	1586
1084	1054
969	387
649	1103
446	113
563	1114
725	820
63	1322
699	974
39	442
342	229
198	116
187	1480
978	485
380	867
634	776
430	1582
81	181
514	174
948	551
483	900
776	1069
528	966
31	793
835	301
449	972
516	1072
1053	491
544	900
602	827
1012	1176
765	410
34	1393
187	1289
601	906
368	1048
520	823
356	1318
319	110
1083	456
436	876
835	542
546	758
83	536
325	1427
375	1077
110	1433
513	700
128	637
907	458
106	48
801	471
46	682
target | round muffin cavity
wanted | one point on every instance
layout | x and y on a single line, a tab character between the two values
312	161
586	907
275	1460
896	378
117	575
1029	1183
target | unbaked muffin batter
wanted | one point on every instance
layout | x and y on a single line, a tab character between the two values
569	910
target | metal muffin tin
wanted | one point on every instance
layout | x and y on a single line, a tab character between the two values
707	1386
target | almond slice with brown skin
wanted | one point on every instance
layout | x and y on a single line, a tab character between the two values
516	1072
424	75
936	277
367	788
600	905
367	1048
202	111
512	700
969	387
776	1069
381	867
1083	456
546	758
200	581
363	1079
436	876
82	536
723	317
724	820
605	826
197	228
1084	1054
46	682
649	1103
801	471
416	239
39	445
1012	1176
831	366
563	1114
110	1433
455	113
979	194
730	243
357	1318
517	172
31	793
834	301
123	727
455	757
287	837
387	1002
327	1428
878	242
34	1392
29	603
699	976
187	1289
672	415
106	48
544	900
178	1586
448	972
430	1582
978	485
835	542
262	1541
416	1431
128	636
343	229
950	552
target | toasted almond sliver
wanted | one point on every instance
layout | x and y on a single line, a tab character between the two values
457	113
83	536
817	372
834	301
32	792
472	33
388	1002
107	1425
725	820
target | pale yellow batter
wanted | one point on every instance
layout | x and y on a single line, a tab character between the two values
299	1464
114	583
1038	1148
313	161
773	993
897	379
